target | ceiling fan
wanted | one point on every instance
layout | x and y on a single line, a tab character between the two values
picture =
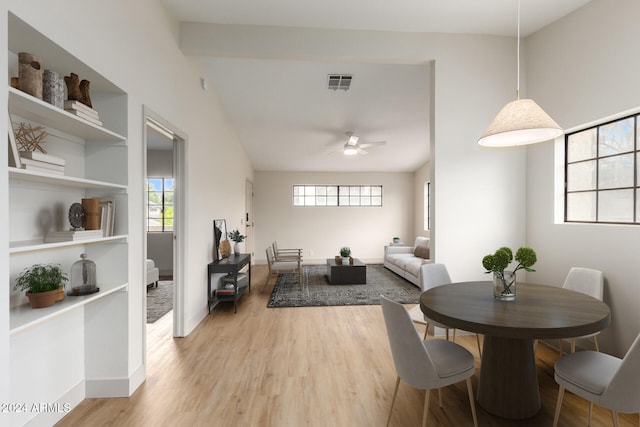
353	145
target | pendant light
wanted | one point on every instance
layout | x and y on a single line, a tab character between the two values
520	122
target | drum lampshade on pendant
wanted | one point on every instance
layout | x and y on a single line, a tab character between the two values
520	122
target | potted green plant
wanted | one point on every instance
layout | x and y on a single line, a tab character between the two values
42	283
504	281
237	238
345	252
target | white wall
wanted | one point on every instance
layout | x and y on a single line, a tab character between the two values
322	231
583	68
145	61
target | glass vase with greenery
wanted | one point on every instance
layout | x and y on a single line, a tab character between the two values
504	281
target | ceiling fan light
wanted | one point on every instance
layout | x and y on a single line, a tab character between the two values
520	122
350	150
353	140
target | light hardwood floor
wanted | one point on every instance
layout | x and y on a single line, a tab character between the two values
310	366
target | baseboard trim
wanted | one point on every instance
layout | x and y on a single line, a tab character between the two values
50	414
115	387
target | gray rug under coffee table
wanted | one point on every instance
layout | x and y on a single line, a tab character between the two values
316	290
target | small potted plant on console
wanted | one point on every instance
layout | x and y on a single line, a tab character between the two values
42	283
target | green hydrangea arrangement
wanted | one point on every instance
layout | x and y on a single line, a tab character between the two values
500	260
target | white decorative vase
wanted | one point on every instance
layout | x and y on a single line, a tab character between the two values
236	248
504	286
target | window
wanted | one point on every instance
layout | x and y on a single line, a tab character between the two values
337	195
601	173
160	204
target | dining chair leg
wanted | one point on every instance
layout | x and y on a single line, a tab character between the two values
427	392
558	406
446	333
595	342
454	335
573	345
440	397
472	402
616	423
479	348
426	331
393	400
590	413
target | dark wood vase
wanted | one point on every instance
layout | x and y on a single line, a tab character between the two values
42	299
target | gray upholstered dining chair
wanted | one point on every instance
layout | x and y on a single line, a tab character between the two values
587	281
291	264
602	379
425	365
432	275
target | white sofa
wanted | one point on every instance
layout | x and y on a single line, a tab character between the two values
153	273
406	261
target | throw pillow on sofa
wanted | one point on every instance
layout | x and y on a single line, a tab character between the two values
421	252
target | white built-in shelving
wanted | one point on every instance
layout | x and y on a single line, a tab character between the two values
96	160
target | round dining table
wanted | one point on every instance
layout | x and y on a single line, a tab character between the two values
508	382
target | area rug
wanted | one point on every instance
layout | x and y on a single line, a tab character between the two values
159	300
316	290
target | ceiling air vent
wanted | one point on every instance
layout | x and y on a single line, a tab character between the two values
339	81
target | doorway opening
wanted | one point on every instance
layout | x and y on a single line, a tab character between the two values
165	225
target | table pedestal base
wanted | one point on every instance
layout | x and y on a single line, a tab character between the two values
508	383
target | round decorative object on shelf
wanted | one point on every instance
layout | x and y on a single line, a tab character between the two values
76	215
83	277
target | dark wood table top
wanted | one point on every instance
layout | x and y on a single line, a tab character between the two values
539	311
356	263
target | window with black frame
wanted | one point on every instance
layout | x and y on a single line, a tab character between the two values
160	204
601	173
337	195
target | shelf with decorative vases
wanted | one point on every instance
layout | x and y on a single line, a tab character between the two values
24	317
24	105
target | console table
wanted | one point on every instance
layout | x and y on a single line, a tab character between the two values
231	264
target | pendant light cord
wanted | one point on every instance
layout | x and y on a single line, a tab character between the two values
518	56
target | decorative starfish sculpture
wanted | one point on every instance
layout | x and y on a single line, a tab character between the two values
30	138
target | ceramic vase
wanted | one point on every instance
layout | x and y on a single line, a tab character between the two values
53	89
236	248
30	74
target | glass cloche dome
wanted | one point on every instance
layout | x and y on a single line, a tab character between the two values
83	277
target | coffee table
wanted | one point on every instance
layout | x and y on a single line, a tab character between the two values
346	274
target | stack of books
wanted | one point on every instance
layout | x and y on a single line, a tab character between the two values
77	108
71	235
40	162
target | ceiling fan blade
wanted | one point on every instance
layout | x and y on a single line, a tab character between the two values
372	144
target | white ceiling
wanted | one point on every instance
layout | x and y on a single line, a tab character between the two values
284	115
